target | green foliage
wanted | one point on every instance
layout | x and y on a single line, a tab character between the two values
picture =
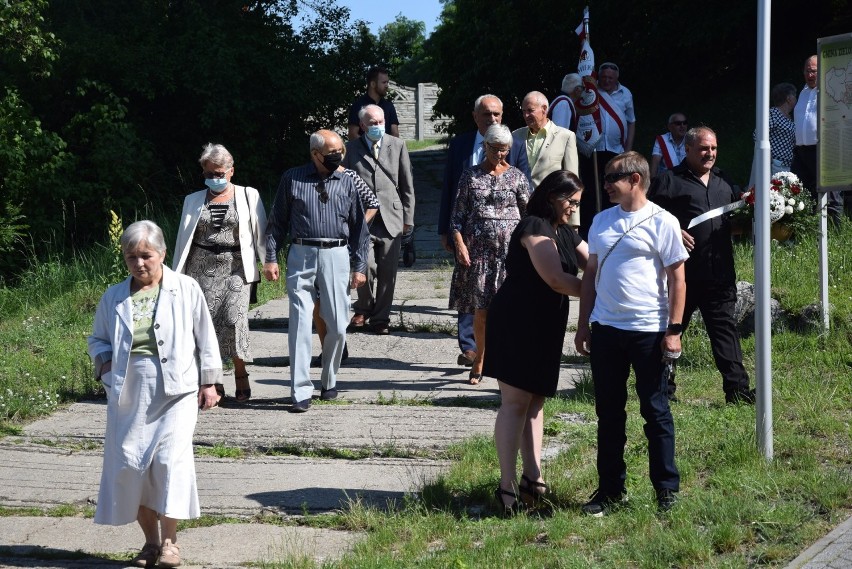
403	41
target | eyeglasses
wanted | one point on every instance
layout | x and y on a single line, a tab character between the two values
679	123
323	194
216	175
613	177
573	203
496	150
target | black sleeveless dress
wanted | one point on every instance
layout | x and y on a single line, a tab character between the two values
526	321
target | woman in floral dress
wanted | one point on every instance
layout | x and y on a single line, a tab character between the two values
220	240
491	200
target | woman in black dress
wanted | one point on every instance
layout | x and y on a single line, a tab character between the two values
526	329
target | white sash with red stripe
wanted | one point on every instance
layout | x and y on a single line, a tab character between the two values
668	151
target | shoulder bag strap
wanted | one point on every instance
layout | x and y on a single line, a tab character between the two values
623	235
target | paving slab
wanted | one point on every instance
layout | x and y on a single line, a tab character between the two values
384	429
40	476
63	541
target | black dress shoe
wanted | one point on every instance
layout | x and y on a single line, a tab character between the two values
300	406
747	397
328	394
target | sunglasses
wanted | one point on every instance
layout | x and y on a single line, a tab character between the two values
613	177
679	123
323	194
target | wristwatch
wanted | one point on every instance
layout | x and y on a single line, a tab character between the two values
675	328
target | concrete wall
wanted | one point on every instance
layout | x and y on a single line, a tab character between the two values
414	109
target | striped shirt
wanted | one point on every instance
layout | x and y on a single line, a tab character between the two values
297	212
368	196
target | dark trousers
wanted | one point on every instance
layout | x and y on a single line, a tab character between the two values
588	201
466	340
613	352
805	167
716	302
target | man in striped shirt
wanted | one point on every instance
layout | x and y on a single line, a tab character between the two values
318	208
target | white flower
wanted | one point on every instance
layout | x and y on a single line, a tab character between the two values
791	201
788	210
801	206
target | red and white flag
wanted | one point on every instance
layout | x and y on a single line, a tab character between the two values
588	107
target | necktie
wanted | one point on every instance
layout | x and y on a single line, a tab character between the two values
477	156
376	151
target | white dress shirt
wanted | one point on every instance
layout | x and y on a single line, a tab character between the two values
805	117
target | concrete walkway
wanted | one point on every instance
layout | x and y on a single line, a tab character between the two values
371	445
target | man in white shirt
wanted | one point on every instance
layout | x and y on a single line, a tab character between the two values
669	148
631	305
608	83
805	153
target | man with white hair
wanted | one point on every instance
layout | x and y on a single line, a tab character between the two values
318	209
548	147
563	111
382	162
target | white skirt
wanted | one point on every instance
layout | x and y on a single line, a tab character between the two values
148	459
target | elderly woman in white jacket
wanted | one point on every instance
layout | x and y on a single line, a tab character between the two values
155	351
220	239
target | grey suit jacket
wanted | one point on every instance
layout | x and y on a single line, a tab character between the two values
559	152
395	192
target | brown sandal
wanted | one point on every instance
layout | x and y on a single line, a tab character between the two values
242	395
148	556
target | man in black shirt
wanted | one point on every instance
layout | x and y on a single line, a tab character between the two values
693	188
377	89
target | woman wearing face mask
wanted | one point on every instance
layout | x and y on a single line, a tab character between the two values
220	239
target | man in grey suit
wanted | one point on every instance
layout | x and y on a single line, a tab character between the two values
382	162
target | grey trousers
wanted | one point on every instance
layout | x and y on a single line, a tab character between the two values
312	271
376	296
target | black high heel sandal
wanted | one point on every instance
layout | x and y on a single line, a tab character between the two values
528	489
242	395
507	510
474	378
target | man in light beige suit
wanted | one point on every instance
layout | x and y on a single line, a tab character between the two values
548	147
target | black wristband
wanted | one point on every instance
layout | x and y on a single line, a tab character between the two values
675	328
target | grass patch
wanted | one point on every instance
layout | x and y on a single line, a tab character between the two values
438	143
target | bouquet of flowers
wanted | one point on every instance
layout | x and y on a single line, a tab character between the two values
790	203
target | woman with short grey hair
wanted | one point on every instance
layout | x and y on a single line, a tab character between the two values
156	354
220	239
491	200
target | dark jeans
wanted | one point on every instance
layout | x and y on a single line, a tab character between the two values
613	352
805	167
466	340
716	302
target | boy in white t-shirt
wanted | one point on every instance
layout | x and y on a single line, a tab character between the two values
631	306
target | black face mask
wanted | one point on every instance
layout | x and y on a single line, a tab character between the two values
331	161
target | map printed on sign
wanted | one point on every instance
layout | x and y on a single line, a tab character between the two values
835	113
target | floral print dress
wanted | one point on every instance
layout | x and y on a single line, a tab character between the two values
486	212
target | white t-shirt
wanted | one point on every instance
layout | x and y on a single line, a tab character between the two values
632	289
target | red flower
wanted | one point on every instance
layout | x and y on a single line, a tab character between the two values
749	199
775	182
795	189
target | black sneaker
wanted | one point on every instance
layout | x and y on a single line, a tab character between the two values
328	394
601	503
746	397
301	406
666	499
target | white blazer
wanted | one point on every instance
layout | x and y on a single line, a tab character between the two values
186	340
252	234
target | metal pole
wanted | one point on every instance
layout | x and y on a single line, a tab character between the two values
822	200
762	321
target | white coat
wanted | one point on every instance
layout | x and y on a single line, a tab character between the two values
252	220
186	341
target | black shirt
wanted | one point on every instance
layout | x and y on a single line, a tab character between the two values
685	196
363	101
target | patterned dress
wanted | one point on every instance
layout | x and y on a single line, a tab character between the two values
486	212
222	279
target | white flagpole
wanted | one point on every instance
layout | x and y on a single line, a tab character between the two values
762	320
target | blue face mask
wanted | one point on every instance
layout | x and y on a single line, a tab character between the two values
375	132
217	185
